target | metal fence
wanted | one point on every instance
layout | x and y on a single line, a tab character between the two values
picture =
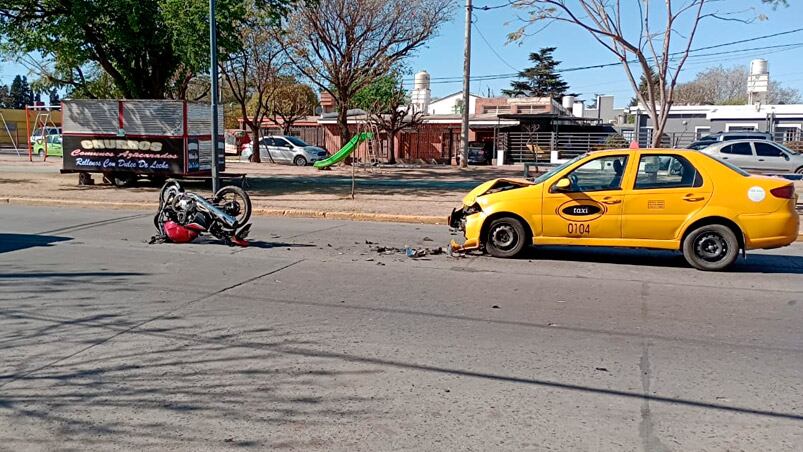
523	147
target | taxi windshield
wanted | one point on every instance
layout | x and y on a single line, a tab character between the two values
556	169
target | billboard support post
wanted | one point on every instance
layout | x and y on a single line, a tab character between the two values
214	89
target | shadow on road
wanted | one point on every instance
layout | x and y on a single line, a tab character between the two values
14	242
173	382
755	263
181	382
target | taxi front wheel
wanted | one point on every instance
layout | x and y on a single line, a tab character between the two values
711	247
506	237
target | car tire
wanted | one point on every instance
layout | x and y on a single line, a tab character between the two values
300	161
799	170
41	154
711	247
505	237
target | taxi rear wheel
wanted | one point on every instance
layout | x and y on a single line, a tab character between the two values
506	237
711	247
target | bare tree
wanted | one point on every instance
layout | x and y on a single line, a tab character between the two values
343	45
657	51
389	109
251	72
728	86
290	102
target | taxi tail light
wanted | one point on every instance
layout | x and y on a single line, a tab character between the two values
785	192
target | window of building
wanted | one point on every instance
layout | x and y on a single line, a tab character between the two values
737	149
750	127
496	109
701	131
666	171
530	108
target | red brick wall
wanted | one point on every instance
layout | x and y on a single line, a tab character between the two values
429	142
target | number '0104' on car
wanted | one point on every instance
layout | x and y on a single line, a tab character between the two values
653	198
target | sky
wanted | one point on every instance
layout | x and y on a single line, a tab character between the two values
443	57
491	54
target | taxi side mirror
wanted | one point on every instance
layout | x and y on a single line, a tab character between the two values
563	185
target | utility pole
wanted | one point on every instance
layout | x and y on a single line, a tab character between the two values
214	91
466	83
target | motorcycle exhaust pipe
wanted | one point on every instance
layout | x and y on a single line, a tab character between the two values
229	221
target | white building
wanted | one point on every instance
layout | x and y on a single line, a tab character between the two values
450	105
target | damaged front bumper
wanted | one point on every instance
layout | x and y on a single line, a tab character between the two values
467	222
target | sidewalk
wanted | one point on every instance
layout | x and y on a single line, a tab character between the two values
424	195
414	195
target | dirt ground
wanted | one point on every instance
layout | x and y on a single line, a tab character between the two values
422	191
425	191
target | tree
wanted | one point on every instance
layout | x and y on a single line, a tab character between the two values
728	86
389	108
642	87
541	80
20	92
458	107
141	45
291	101
663	48
53	97
341	46
251	73
6	101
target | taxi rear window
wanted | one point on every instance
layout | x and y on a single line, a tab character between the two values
730	166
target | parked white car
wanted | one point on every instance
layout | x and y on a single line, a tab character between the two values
286	149
757	155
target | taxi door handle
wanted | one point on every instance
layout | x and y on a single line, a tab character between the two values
693	198
610	200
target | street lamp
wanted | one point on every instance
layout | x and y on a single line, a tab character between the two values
214	88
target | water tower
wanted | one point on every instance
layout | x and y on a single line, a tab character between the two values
568	103
421	94
758	82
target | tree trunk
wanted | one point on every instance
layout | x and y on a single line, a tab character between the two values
658	125
255	157
392	147
343	123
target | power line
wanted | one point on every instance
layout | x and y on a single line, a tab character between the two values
485	40
488	8
450	79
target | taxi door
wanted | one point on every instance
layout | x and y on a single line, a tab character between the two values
667	190
591	207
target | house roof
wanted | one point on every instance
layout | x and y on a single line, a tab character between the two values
715	112
438	99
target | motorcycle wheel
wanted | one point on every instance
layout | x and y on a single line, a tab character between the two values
239	197
170	189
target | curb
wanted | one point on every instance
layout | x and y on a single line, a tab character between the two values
262	212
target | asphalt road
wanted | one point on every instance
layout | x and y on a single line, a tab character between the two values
309	340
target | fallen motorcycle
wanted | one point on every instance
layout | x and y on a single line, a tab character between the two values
183	216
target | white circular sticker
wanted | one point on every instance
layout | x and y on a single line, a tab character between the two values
756	194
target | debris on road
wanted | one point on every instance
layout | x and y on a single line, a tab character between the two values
410	252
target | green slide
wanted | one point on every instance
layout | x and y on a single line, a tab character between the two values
340	155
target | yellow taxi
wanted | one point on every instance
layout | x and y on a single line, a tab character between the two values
644	198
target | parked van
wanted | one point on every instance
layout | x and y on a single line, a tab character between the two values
708	140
